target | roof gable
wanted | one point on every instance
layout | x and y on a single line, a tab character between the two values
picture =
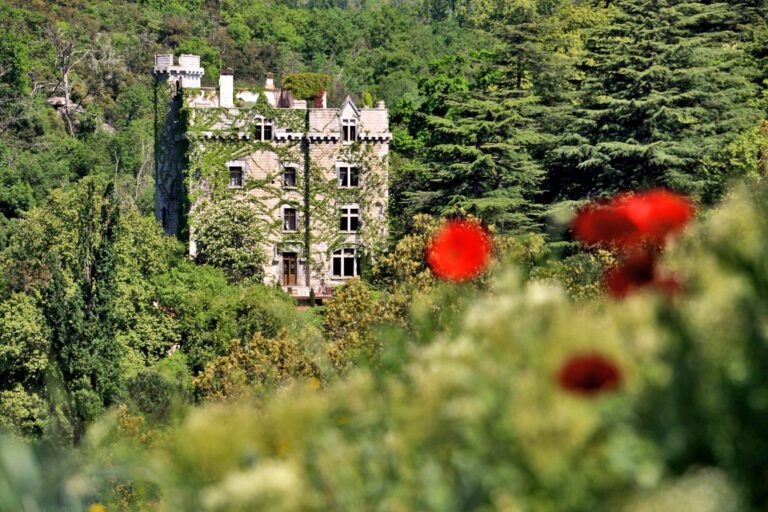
349	109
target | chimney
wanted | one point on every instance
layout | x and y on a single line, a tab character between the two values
269	85
226	88
379	105
320	101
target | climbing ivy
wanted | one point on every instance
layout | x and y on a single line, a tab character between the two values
220	135
306	86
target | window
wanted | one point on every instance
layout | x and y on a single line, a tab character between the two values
289	219
346	263
289	176
350	219
348	130
263	129
348	177
235	177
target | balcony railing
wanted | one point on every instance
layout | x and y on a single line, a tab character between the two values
302	292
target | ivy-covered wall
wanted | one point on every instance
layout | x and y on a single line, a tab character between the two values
170	152
218	136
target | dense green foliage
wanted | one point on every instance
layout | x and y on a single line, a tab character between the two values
464	411
307	86
229	235
401	392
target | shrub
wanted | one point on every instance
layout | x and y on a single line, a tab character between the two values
260	364
152	394
230	235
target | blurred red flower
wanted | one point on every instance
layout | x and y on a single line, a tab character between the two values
460	251
589	374
634	271
631	219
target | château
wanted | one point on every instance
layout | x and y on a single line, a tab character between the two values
317	175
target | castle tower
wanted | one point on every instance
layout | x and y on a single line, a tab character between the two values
170	148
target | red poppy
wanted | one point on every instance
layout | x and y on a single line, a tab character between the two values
659	213
634	271
589	374
460	251
604	224
630	219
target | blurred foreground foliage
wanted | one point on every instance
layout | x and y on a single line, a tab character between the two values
457	406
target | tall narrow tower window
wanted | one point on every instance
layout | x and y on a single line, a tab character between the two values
289	176
289	219
235	177
350	219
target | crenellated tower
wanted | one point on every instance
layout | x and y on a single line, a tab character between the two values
170	144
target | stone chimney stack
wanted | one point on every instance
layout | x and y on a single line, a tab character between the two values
226	88
269	84
379	105
323	99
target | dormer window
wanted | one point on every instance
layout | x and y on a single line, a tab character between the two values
263	129
235	176
348	176
289	175
348	130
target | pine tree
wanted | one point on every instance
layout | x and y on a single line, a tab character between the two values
666	86
484	151
479	143
481	160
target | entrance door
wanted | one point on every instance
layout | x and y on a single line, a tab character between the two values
289	269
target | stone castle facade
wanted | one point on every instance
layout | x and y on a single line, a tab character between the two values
316	175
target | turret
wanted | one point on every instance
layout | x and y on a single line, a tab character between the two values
170	79
186	75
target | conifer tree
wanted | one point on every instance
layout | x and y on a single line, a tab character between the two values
481	160
667	84
81	311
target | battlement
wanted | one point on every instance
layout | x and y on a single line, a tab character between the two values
187	74
187	64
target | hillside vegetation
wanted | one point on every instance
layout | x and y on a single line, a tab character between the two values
134	378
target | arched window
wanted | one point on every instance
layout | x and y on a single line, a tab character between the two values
164	217
346	263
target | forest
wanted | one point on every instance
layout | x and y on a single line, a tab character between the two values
605	348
